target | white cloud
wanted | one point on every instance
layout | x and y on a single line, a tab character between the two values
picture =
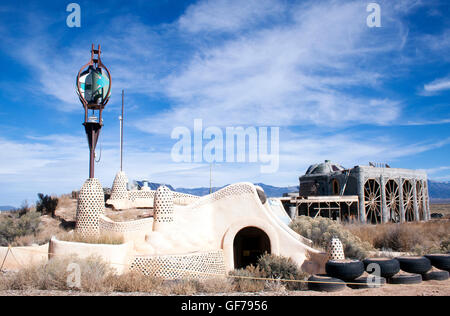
437	170
227	15
290	74
437	86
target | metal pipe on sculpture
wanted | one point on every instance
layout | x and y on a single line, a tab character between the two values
121	133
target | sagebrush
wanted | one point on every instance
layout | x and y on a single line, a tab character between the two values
320	230
46	205
18	224
414	237
271	272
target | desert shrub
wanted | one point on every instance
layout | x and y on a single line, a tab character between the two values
45	232
24	209
278	267
216	285
46	204
133	282
137	282
445	245
242	279
53	275
107	193
320	230
397	238
415	237
14	226
181	287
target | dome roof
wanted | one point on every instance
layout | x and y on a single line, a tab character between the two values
324	168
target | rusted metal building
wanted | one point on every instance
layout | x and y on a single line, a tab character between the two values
384	194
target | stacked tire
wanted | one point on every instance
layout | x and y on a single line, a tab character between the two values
441	263
347	270
386	267
338	274
342	273
325	283
415	267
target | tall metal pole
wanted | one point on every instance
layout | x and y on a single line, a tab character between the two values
121	133
210	178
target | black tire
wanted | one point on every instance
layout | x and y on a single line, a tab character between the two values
361	283
331	285
388	267
440	261
415	265
440	275
405	279
345	270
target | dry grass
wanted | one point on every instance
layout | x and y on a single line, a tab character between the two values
415	237
48	228
53	275
245	283
104	239
17	225
128	215
136	282
96	276
132	282
67	207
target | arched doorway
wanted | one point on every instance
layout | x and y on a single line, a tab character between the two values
249	244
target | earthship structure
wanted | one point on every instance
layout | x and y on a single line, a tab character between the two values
187	237
373	194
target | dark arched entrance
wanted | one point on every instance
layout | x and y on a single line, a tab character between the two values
249	244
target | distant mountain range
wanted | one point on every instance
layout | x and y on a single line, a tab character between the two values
6	208
438	190
270	190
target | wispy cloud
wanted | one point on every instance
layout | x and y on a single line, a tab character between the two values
428	122
292	73
436	86
228	15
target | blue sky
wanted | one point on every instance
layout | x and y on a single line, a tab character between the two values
336	88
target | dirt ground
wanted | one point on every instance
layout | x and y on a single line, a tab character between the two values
429	288
442	208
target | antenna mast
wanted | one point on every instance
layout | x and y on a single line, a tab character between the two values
121	134
210	178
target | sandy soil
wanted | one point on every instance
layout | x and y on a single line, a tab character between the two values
429	288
